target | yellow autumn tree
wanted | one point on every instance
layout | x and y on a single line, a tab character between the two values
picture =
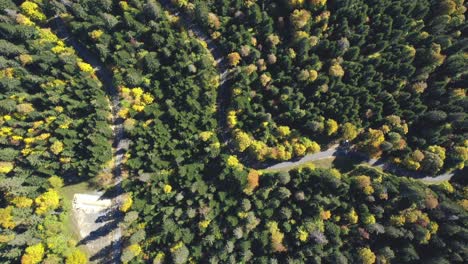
331	126
234	58
6	166
32	10
85	67
76	257
284	131
22	202
352	216
34	254
253	180
96	34
47	201
318	2
374	138
276	237
367	256
231	119
56	147
242	140
349	131
55	182
336	70
299	18
126	203
6	219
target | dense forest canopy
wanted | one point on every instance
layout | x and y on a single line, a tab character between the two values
321	70
388	76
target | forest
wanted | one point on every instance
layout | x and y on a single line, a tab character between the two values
388	77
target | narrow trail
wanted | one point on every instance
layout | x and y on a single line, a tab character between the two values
120	143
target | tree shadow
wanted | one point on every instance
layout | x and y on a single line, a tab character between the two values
109	215
100	232
108	254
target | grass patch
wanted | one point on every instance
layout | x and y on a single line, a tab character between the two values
342	163
67	193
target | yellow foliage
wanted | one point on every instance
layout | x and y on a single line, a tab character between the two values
76	257
206	135
96	34
446	186
34	254
299	149
368	219
296	2
325	215
318	2
233	162
47	201
232	119
464	203
56	147
299	18
126	203
25	59
276	236
32	10
6	219
23	20
176	246
242	139
22	202
313	74
253	179
25	108
55	182
265	79
135	249
159	259
352	216
85	67
234	58
367	256
336	70
433	227
147	98
6	166
6	238
124	5
137	92
438	150
138	107
302	235
331	126
368	190
204	224
167	188
350	131
397	220
123	113
284	131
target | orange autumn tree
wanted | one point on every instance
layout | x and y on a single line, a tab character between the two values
252	181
